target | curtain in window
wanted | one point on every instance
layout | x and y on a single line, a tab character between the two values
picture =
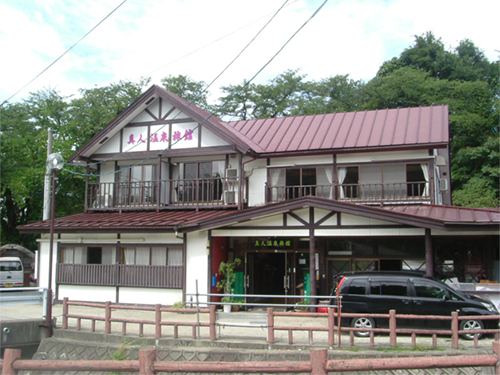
175	257
142	255
80	255
342	172
68	255
128	253
277	184
425	171
324	177
159	256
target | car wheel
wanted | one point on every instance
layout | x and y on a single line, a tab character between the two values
471	324
362	322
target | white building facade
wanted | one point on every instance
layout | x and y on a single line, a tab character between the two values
174	191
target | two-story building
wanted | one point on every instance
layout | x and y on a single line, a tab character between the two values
297	199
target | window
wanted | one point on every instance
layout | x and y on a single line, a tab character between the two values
385	288
383	181
427	290
357	287
290	183
152	256
201	181
136	184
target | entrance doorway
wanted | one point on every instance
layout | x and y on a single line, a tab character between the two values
279	274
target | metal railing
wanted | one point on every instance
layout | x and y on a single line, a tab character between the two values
200	192
25	296
363	193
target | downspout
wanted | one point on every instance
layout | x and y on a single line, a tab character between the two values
312	259
429	255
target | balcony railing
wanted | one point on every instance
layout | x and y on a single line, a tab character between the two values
359	193
206	192
120	275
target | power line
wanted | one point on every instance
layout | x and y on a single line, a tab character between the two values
69	49
241	89
181	110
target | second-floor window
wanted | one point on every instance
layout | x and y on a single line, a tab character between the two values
290	183
385	181
136	184
200	181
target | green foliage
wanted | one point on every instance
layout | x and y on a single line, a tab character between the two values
226	269
179	305
188	89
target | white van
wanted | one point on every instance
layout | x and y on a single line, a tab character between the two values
11	272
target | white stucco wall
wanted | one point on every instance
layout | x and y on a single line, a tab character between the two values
197	263
87	293
150	296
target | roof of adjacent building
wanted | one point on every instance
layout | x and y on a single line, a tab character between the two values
448	218
343	132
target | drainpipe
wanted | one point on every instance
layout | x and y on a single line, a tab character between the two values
429	256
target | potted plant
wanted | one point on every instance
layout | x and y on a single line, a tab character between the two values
226	269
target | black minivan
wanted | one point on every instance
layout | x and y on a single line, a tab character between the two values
378	292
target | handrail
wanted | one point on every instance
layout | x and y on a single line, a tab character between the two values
318	364
333	317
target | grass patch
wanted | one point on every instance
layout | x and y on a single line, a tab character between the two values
416	348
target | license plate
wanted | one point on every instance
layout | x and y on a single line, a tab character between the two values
9	285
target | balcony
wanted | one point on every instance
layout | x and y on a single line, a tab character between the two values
120	275
157	195
395	192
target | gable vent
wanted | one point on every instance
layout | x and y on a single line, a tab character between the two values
150	100
103	140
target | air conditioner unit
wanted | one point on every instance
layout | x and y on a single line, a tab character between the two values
105	200
443	185
231	173
229	197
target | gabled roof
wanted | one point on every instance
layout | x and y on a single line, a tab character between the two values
447	218
347	132
379	130
147	98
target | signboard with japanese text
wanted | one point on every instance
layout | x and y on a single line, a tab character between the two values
272	243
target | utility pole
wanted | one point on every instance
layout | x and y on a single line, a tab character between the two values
47	196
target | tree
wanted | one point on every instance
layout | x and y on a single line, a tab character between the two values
24	133
188	89
427	74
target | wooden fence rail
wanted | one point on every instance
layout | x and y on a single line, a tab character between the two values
333	329
317	365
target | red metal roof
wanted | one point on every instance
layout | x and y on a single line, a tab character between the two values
450	214
346	131
127	221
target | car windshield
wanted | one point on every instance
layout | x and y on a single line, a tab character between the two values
10	266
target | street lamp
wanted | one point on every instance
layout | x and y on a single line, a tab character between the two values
55	162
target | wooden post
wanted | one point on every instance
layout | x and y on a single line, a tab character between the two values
454	330
318	361
213	332
107	315
392	327
9	357
158	321
496	350
65	313
147	358
331	327
270	325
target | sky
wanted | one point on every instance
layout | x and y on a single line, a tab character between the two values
200	38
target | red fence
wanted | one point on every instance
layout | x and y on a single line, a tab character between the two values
333	329
317	365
